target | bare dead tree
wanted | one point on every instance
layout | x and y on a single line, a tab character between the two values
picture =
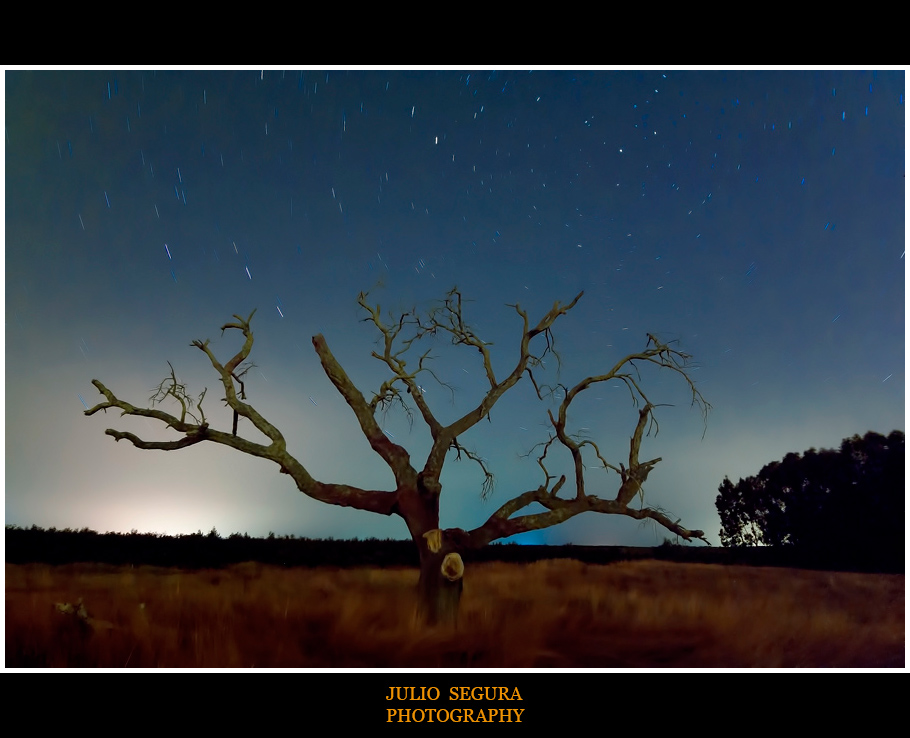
417	489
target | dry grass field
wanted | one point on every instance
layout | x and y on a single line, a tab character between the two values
559	613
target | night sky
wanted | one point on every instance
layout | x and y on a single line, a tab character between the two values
755	216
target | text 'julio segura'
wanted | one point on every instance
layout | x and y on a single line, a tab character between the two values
454	714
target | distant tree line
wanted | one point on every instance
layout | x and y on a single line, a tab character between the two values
197	550
211	551
846	504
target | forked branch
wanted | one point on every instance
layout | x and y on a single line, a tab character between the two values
195	432
632	477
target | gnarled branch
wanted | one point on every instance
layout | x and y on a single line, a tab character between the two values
502	524
193	433
446	319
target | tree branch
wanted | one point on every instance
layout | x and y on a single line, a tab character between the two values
501	524
336	494
446	318
450	319
228	375
394	455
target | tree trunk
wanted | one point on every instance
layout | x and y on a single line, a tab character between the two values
441	580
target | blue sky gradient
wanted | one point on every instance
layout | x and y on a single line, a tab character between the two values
757	217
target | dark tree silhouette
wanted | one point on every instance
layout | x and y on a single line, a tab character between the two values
823	499
417	487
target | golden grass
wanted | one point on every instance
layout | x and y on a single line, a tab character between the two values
558	613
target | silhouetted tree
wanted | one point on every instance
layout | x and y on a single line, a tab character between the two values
821	500
418	488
